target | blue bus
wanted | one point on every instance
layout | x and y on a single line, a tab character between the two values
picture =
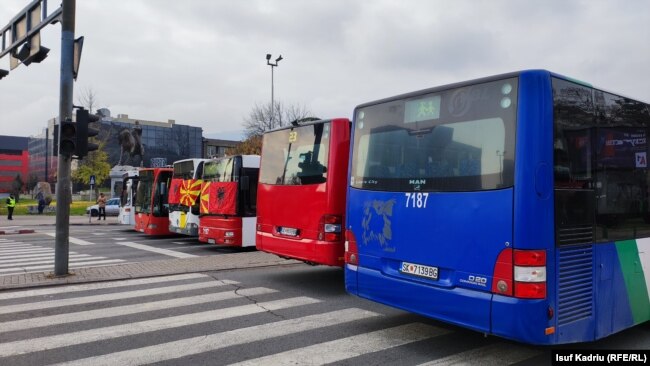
515	205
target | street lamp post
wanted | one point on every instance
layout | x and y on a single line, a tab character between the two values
268	62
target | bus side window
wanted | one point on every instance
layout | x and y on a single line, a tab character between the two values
561	168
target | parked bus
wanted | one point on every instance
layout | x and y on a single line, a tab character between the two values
229	200
184	192
128	197
304	171
152	206
514	205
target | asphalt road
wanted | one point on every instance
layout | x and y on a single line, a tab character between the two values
294	314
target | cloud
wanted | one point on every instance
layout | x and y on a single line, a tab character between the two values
203	62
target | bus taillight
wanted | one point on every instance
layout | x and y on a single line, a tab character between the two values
351	250
502	277
329	228
530	274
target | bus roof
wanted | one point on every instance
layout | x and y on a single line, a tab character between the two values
488	79
304	124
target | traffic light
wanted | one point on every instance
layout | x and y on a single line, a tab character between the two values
55	141
68	138
84	133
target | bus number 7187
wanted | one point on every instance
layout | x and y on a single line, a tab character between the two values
417	200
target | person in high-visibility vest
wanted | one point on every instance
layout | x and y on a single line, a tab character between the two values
11	203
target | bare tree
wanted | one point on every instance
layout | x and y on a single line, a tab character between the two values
259	119
87	98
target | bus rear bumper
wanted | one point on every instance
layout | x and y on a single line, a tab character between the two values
459	306
306	250
507	317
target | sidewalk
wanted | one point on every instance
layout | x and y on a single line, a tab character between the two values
42	220
220	262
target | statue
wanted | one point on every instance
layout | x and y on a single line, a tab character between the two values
131	142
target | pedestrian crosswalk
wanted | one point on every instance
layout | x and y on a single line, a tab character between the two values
200	319
19	257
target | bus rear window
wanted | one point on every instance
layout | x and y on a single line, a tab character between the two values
454	140
296	156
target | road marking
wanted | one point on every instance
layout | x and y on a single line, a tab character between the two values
118	239
211	342
492	355
58	319
112	332
71	239
40	305
100	286
148	248
39	257
341	349
4	253
50	260
72	264
15	244
28	255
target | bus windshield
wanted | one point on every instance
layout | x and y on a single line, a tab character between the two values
221	170
143	197
461	139
296	156
185	170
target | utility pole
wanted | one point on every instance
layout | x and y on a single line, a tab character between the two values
63	184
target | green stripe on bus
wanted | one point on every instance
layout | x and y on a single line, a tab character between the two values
635	283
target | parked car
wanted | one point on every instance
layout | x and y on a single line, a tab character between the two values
112	208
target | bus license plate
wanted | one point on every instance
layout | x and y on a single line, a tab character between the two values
288	231
419	270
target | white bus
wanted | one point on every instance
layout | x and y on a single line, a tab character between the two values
127	197
184	197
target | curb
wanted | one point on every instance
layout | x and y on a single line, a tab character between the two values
216	263
22	231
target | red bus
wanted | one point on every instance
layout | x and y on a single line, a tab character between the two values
229	200
151	204
304	172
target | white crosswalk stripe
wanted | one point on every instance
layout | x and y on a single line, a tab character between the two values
99	286
170	323
127	310
192	346
37	258
108	297
342	349
492	355
103	334
23	257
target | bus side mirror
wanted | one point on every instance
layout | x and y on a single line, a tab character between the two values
245	183
163	189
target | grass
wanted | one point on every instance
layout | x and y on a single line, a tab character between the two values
77	208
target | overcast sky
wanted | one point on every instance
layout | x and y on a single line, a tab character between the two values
203	63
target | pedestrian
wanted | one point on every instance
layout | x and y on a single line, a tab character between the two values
11	203
101	202
41	202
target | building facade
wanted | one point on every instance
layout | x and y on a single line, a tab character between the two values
215	148
14	162
130	142
139	142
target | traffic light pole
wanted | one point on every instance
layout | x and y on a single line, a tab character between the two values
63	183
